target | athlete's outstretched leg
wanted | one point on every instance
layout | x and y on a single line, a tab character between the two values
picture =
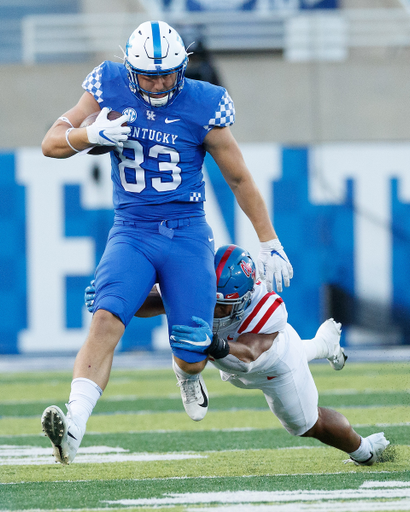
95	357
333	429
91	373
326	344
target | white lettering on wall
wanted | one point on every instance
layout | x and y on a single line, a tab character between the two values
50	255
371	167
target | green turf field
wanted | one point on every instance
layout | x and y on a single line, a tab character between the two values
142	452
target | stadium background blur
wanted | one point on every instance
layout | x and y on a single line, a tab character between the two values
323	106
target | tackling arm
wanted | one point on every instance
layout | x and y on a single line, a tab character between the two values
152	306
247	348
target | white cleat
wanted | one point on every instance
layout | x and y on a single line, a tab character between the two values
194	395
378	444
330	332
338	361
63	433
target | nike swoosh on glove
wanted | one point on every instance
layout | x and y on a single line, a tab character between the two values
273	263
104	132
89	296
193	339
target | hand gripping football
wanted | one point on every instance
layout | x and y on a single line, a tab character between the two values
100	150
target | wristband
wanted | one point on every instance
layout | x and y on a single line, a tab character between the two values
68	142
219	347
63	118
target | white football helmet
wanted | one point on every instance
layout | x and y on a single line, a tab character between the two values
155	49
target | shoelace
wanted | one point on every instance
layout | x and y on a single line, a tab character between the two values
189	389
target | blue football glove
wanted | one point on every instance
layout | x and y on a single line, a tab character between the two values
89	296
193	339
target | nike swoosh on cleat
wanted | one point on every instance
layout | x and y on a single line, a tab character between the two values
71	435
205	402
270	378
167	121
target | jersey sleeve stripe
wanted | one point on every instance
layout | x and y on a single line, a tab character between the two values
267	315
222	262
255	311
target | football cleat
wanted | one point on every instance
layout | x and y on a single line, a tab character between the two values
63	433
194	395
378	444
338	361
330	332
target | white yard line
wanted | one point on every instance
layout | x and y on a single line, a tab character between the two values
298	496
34	455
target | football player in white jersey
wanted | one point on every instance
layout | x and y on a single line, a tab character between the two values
254	347
167	124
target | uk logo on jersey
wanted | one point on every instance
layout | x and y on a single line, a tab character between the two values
150	115
247	269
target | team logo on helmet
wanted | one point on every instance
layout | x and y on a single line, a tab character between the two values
247	269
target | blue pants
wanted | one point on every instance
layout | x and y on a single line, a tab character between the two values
179	255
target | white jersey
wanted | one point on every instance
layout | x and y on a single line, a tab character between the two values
265	314
282	372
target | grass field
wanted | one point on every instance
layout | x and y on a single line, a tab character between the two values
141	451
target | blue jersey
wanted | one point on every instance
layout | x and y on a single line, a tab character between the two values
158	173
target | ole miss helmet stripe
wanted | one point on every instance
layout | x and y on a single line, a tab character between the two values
222	262
256	310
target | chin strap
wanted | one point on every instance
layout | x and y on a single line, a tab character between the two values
157	102
219	347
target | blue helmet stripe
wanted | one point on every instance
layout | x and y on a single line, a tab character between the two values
156	41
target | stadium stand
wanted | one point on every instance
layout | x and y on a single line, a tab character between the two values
12	12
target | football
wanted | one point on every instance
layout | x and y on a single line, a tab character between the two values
100	150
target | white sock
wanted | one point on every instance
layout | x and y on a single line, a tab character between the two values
316	348
363	452
310	350
83	397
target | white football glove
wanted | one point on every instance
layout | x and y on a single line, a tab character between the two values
273	262
108	133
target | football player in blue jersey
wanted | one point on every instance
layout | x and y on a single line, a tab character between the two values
160	233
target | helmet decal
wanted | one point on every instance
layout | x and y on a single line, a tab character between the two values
222	262
235	279
247	268
232	295
156	42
